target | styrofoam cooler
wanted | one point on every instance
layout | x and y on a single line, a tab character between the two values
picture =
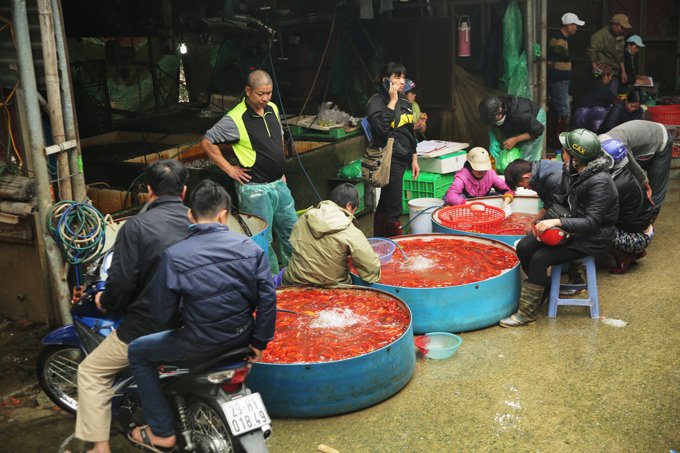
447	163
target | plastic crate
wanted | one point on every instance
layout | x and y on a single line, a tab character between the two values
428	185
665	114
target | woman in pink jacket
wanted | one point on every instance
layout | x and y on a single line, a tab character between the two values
477	179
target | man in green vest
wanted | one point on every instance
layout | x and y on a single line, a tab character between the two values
255	133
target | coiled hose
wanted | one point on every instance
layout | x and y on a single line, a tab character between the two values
79	229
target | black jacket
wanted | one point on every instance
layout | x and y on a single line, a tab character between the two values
520	117
137	252
546	176
217	279
635	210
587	203
397	123
618	115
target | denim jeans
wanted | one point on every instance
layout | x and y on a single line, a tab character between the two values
274	203
658	170
145	354
559	97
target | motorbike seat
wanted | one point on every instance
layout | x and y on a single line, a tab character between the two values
229	356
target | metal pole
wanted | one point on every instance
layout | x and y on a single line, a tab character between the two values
53	95
55	262
529	37
75	159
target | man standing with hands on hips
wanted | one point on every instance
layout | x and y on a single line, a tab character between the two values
255	133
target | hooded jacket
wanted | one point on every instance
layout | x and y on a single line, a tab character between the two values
520	117
465	186
322	240
587	204
215	280
635	210
397	123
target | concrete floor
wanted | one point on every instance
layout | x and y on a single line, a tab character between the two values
569	383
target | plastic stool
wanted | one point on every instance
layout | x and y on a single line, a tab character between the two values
591	301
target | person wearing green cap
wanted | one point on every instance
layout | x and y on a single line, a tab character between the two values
606	47
586	208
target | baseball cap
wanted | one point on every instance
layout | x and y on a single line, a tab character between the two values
635	39
571	18
620	19
479	159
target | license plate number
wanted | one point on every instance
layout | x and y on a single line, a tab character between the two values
245	414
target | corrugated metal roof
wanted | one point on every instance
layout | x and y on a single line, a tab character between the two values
8	54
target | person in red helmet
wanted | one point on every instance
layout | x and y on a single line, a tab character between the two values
585	207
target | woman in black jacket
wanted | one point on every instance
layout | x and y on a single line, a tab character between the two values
620	113
634	230
390	115
586	207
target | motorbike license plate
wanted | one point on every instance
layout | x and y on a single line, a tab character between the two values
245	414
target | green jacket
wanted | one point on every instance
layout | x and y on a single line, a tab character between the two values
607	49
322	240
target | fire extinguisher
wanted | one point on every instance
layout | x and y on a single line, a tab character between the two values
464	36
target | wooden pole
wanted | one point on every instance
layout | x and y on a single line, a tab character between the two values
49	51
55	262
75	159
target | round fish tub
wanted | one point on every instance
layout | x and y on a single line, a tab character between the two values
251	225
521	203
330	388
458	308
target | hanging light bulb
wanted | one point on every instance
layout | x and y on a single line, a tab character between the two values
183	48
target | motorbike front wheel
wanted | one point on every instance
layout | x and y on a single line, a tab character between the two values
58	375
209	430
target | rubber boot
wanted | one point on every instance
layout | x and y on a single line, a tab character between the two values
393	229
528	305
378	225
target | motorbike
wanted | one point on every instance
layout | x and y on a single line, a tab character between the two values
215	412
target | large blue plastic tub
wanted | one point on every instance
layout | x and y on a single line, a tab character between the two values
458	308
331	388
255	227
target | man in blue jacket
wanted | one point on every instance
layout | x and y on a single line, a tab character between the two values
215	280
543	177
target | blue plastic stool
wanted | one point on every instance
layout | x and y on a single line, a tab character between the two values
591	301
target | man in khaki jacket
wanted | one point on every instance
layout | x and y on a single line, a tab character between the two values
606	47
323	238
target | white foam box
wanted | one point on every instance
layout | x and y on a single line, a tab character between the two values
443	164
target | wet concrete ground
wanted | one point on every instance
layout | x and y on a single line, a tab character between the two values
569	383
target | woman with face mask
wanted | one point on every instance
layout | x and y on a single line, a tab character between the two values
515	123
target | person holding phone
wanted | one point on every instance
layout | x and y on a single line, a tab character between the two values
390	114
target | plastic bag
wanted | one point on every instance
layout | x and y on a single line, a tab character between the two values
351	171
516	75
331	115
505	157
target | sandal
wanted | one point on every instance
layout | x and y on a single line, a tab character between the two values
146	442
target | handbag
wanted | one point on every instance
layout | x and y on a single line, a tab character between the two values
375	164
